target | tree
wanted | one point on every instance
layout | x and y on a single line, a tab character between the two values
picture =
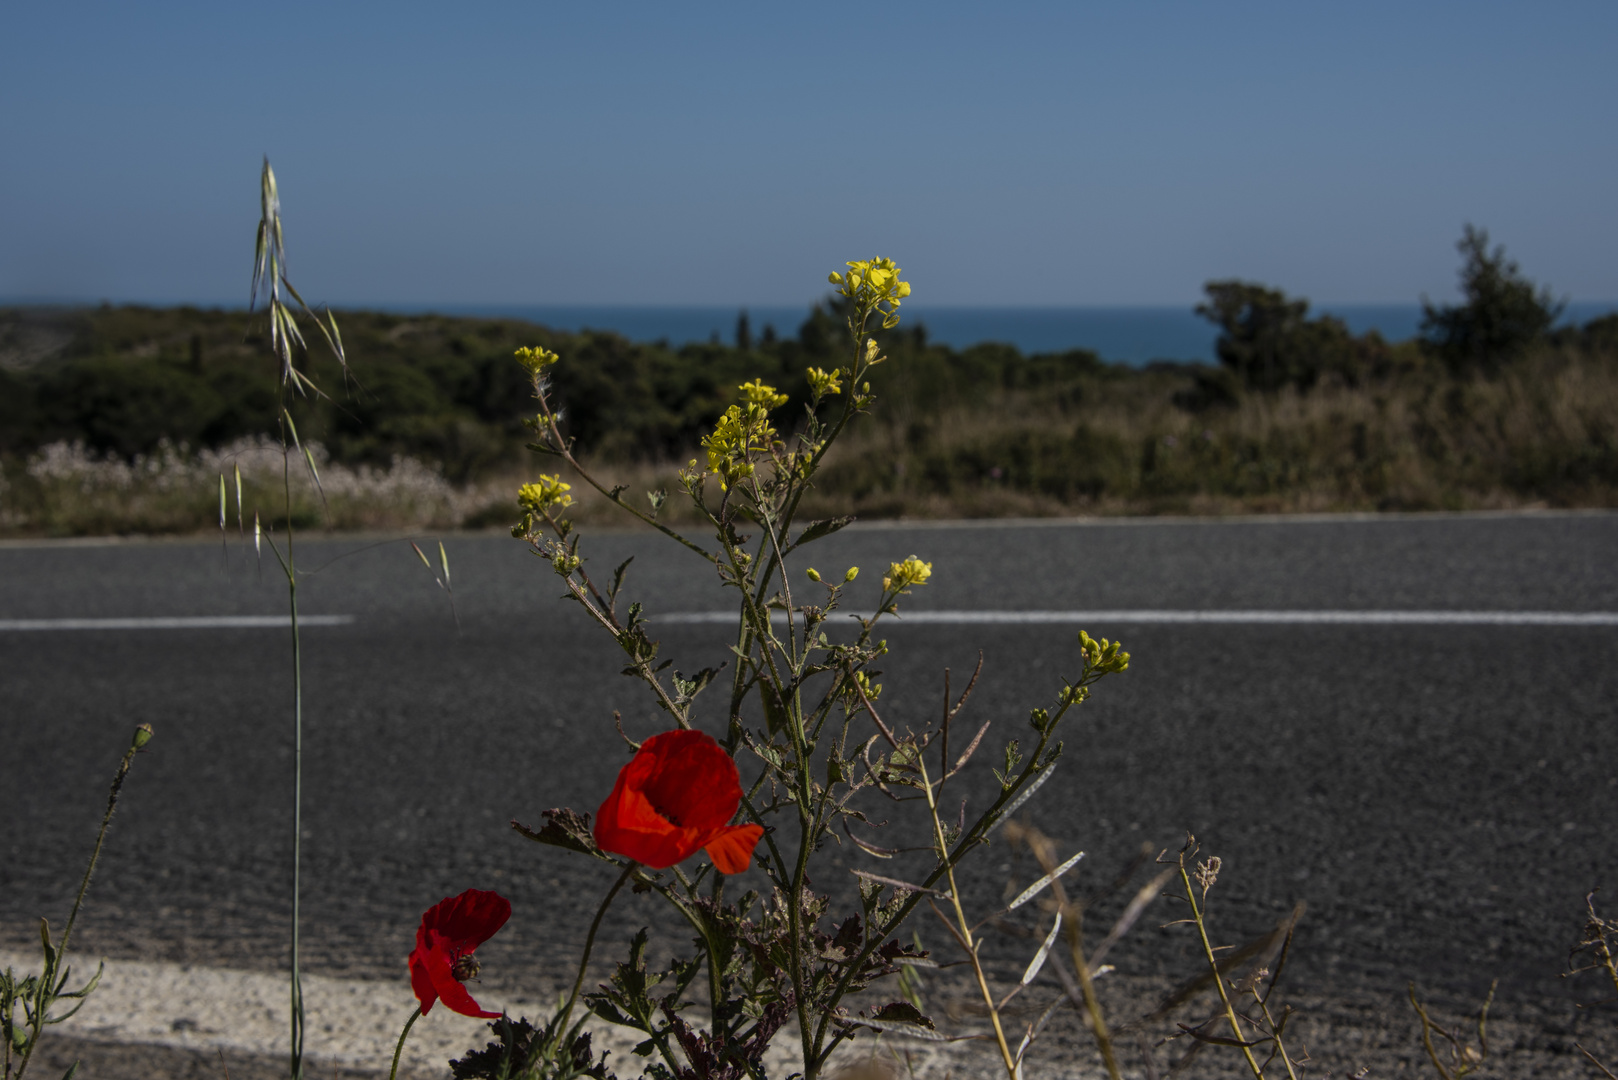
1504	312
1269	340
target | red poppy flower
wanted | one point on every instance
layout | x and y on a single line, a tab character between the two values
442	960
674	798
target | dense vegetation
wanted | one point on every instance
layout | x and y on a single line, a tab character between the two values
1490	407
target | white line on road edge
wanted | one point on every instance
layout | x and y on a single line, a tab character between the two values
183	622
1223	618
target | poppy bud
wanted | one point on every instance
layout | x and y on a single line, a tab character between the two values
143	735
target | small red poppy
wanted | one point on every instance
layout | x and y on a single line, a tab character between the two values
442	959
674	798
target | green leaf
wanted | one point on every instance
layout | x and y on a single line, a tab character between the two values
775	714
818	529
564	828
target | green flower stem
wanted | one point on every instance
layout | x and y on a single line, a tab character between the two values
415	1014
49	986
589	944
291	567
714	999
1219	978
965	927
563	451
965	843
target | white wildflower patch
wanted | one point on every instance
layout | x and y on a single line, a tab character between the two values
68	487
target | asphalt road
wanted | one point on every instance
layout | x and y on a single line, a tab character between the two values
1442	796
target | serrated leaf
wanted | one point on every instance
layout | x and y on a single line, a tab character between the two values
602	1007
903	1017
902	1012
564	829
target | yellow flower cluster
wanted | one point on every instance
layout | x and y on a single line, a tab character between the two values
873	285
902	575
549	492
872	690
1102	655
743	430
757	393
537	359
822	383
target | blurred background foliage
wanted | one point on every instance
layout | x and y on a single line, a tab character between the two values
1489	407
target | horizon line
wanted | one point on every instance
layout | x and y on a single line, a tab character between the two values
449	307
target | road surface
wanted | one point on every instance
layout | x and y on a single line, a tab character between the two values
1440	788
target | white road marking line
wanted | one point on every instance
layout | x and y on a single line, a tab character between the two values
1221	618
181	622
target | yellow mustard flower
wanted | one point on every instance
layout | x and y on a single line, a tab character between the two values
739	432
874	286
549	492
825	382
758	393
902	575
537	359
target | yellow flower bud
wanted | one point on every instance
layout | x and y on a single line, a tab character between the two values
853	572
822	383
537	359
758	393
814	575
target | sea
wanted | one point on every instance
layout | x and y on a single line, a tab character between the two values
1125	335
1122	335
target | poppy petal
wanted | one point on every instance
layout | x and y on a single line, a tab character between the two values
450	990
670	800
636	830
698	783
421	983
732	849
468	920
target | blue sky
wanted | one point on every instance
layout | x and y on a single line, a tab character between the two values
733	153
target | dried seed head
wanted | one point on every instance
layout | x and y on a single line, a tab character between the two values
1208	872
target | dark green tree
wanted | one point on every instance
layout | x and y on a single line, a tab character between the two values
1268	339
1503	313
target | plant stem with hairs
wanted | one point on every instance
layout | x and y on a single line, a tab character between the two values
51	986
1206	874
270	279
962	929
